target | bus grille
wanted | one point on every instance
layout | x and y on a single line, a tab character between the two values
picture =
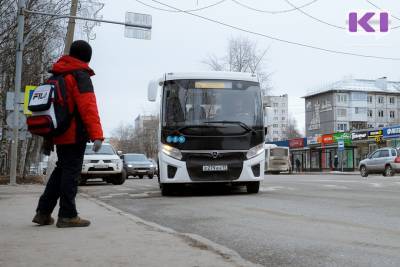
196	161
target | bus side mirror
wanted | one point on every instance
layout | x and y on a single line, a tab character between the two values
152	90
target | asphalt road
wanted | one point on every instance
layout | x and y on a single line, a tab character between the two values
295	220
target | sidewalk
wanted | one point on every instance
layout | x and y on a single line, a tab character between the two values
113	239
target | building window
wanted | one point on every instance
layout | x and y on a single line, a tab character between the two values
342	127
391	100
275	125
275	111
370	126
380	113
276	118
341	112
370	99
283	104
275	132
370	113
392	114
275	105
283	111
381	100
276	139
283	118
342	98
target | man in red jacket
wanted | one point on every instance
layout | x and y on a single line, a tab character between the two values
70	146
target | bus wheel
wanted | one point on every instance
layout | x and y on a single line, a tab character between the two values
166	189
253	187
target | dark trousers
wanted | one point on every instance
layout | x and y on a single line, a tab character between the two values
63	182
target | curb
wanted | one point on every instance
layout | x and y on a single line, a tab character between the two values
193	240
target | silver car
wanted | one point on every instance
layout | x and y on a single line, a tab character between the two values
384	160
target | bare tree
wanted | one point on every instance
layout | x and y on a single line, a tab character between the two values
292	130
242	55
123	138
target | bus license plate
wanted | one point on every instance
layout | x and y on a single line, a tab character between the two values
215	168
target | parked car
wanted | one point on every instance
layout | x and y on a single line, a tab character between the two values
105	164
384	160
154	166
137	165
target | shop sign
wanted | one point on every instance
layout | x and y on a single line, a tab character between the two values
296	143
313	140
328	139
375	133
391	132
346	137
359	136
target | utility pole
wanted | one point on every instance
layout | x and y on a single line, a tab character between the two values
71	26
17	90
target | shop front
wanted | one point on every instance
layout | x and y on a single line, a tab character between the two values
299	151
326	156
391	135
366	142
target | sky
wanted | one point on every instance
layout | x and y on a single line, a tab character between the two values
180	42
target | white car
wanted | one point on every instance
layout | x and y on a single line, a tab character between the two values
105	164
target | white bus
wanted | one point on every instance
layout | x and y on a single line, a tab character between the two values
211	129
277	159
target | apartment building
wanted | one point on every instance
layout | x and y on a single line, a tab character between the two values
352	104
276	117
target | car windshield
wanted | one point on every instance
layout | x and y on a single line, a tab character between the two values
104	150
191	104
135	157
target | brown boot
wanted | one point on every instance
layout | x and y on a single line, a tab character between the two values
43	219
72	222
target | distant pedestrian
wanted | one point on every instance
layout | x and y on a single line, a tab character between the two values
298	165
336	162
70	145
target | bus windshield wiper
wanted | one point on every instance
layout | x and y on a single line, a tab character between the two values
242	124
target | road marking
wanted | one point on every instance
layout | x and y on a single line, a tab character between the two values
275	188
335	186
375	184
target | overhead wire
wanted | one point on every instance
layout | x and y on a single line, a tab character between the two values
393	16
333	51
313	17
273	11
178	11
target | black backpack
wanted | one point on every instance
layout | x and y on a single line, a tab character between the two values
50	112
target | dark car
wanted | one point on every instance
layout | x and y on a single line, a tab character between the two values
138	165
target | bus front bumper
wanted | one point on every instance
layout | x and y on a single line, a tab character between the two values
181	174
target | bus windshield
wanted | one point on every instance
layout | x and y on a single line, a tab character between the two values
191	103
279	152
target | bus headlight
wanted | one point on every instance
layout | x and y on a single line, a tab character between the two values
171	151
255	151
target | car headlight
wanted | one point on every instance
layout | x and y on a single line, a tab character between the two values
151	165
171	151
255	151
115	161
86	161
130	165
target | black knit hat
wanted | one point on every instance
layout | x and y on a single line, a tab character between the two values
81	50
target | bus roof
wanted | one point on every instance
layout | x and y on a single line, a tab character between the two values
211	75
